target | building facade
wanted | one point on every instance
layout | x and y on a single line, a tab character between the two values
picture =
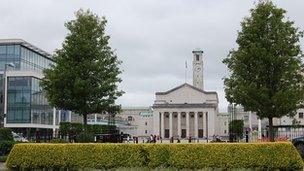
135	121
223	125
186	110
285	127
24	106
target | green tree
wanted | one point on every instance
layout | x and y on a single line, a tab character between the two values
6	134
85	75
266	69
236	129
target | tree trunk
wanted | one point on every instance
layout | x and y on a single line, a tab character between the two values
85	119
271	131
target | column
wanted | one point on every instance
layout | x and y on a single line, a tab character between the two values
95	119
207	125
260	129
170	124
179	125
59	117
195	125
162	131
5	97
54	122
204	125
187	124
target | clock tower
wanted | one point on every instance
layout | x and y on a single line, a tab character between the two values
198	68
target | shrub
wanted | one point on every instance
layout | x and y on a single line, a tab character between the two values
70	129
3	158
85	137
6	134
192	156
5	147
32	156
236	128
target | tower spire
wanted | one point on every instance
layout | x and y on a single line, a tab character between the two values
198	68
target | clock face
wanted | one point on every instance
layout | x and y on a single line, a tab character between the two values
198	69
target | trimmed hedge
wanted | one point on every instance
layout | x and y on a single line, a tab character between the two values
193	156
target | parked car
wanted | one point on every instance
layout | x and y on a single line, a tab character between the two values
299	144
19	138
112	138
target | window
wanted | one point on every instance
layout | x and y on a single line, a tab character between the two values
146	131
225	123
225	131
301	115
130	118
192	116
183	115
197	57
146	123
2	49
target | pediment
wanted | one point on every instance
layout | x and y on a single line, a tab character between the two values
185	88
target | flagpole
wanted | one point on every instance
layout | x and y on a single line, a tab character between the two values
185	71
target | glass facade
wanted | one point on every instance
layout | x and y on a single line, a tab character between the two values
23	58
9	54
26	102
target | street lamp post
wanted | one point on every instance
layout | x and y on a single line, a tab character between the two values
5	91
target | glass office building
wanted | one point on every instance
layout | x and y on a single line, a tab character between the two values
27	107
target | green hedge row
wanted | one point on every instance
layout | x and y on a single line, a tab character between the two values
282	156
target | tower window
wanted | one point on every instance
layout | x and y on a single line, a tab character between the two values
197	57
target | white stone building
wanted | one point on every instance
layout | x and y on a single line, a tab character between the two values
223	125
135	121
285	127
186	110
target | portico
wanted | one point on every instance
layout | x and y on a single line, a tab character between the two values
183	124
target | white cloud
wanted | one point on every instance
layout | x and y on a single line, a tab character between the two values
153	38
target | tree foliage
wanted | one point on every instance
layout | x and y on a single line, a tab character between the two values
85	75
6	134
236	129
266	68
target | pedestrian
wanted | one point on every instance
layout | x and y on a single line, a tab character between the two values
151	138
178	140
171	140
154	139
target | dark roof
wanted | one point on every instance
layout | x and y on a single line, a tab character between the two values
186	84
185	105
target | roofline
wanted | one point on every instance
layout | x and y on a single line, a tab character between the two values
186	105
27	45
185	84
135	107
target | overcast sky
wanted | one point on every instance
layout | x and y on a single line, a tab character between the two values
153	38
